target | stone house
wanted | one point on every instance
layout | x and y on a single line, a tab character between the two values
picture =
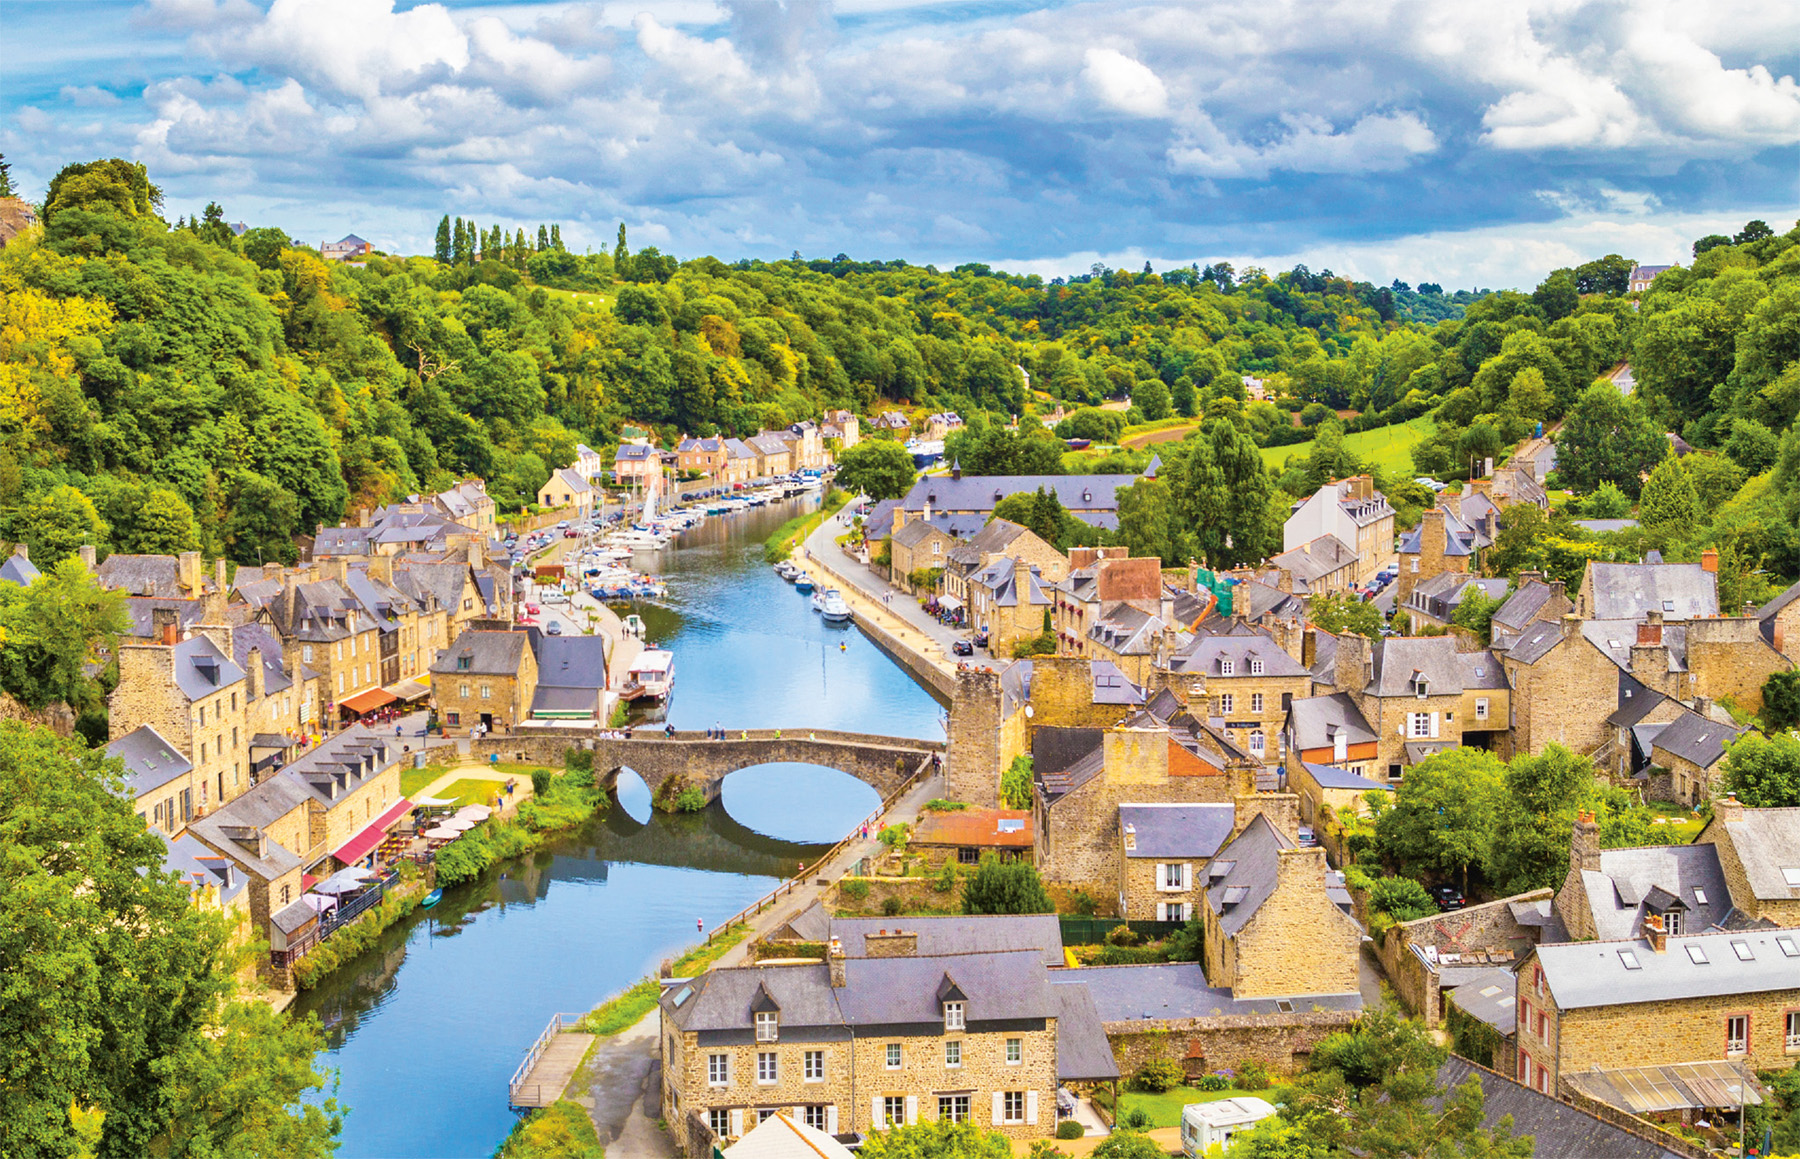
806	445
169	577
1611	894
1163	851
568	492
395	529
840	427
893	420
914	548
1356	514
1325	789
486	679
774	455
1631	591
1272	923
1246	682
964	836
214	883
939	426
705	457
1442	543
1319	567
1099	578
1009	600
1412	693
740	462
1759	853
1692	747
1091	498
1330	730
160	779
259	838
1433	602
1658	1000
323	626
1533	600
468	504
861	1044
633	465
1779	622
194	694
1563	689
1001	538
1136	641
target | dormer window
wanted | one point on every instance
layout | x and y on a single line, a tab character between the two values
462	663
1256	667
1227	667
767	1027
953	1016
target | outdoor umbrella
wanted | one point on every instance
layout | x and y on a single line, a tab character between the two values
473	813
442	834
318	902
457	823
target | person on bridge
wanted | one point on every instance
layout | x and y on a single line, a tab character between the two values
700	925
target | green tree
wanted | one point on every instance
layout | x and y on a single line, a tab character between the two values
54	630
1752	446
162	525
6	185
1608	502
444	250
1146	522
1557	297
264	246
262	520
937	1139
878	468
1530	846
1220	491
56	523
1016	791
118	985
1151	395
1715	478
1342	612
1476	613
1444	815
1669	507
1005	887
1763	771
1183	398
460	244
622	257
1781	700
1608	438
1401	898
984	448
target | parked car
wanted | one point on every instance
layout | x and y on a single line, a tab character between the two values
533	609
556	597
1448	897
553	628
1308	838
963	648
561	523
1428	481
571	533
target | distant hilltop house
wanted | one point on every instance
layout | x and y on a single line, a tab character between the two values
239	228
15	218
349	248
893	420
1642	276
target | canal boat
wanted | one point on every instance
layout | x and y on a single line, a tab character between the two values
835	610
634	625
787	571
818	601
804	584
651	676
432	898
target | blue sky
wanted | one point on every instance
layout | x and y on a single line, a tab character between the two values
1476	143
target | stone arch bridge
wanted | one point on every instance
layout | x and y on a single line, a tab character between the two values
669	764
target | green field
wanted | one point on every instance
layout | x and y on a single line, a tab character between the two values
584	298
1387	448
1165	1109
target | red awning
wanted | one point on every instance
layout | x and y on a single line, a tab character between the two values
366	701
358	847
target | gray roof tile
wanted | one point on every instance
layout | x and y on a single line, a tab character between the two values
150	761
1589	974
1693	737
1083	1053
1768	845
1315	721
1620	894
1179	990
1186	831
1254	864
1626	591
1557	1130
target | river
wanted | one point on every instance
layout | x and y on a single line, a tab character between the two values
425	1029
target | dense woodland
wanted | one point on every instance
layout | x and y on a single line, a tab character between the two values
165	387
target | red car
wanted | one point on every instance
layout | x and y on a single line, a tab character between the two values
532	609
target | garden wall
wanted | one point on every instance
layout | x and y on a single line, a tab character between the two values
1281	1042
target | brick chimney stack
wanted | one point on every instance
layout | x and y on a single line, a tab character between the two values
1584	846
1650	632
165	626
1709	561
834	958
253	671
1656	934
1728	809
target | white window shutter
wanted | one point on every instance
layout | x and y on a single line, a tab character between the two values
798	1114
999	1111
1031	1108
912	1109
1187	875
875	1123
737	1124
1434	724
831	1119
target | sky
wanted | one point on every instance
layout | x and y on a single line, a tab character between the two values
1469	143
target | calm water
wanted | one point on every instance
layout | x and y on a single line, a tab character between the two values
429	1025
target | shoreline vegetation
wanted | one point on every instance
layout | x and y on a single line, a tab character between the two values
781	544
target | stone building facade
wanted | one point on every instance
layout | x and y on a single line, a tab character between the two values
1759	851
1271	924
486	679
1563	689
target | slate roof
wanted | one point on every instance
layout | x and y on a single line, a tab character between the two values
1766	614
1480	670
337	766
1590	974
570	479
768	444
1626	591
1010	589
549	698
202	668
144	575
1693	737
492	652
1768	843
1190	832
244	637
200	866
1206	652
941	936
992	539
294	916
1633	883
1251	864
257	808
142	611
1015	687
1083	1053
1535	642
1523	605
19	570
1332	777
739	449
915	531
1179	990
1314	560
1112	686
1401	663
1325	647
1064	759
1315	721
150	761
571	661
879	523
1635	702
1127	630
634	453
1490	996
1077	493
1557	1129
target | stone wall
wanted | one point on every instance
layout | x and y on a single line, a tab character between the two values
914	893
973	765
1281	1042
1485	928
1657	1033
1565	697
1297	943
1727	656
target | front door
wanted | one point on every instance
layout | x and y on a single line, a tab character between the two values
487	720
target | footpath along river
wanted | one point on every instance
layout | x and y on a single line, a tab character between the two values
425	1029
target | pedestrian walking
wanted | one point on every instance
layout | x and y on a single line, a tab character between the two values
700	925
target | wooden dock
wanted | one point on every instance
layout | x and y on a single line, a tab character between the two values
550	1063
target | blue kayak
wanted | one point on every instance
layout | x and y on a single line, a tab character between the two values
432	898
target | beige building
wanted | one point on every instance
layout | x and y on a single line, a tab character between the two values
1164	848
196	697
1692	747
1759	851
1009	599
568	492
840	430
1248	683
774	454
705	457
469	505
1100	579
485	680
1779	622
1420	696
1000	539
914	548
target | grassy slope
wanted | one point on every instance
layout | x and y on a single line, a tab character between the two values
1389	448
583	298
1165	1109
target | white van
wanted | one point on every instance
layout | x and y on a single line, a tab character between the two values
1204	1124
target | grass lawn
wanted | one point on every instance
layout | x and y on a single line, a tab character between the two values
623	1011
1165	1109
471	791
1673	824
414	780
586	299
1388	448
1169	430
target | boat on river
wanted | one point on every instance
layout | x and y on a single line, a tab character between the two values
818	601
835	610
787	571
651	676
804	584
432	898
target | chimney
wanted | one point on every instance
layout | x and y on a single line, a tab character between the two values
381	567
834	958
188	574
254	672
1728	809
1655	933
362	517
1571	626
1709	561
1130	837
22	551
1650	632
891	944
165	626
219	584
1584	845
477	552
271	573
88	556
956	468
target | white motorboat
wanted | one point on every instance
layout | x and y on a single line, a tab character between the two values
651	676
835	609
818	601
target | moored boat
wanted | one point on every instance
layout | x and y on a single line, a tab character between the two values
804	584
835	609
651	676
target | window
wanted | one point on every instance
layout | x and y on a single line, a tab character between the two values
1418	724
1672	922
1788	947
1227	668
815	1115
1012	1107
1792	1038
1256	667
719	1119
1256	742
1481	708
286	894
1699	895
814	1068
1174	875
461	689
462	663
937	548
968	855
1256	703
1737	1034
768	1068
718	1070
763	1113
1697	953
893	1056
487	692
953	1052
766	1026
953	1108
1225	703
1015	1051
1173	911
1743	951
953	1016
453	718
1629	960
306	653
893	1109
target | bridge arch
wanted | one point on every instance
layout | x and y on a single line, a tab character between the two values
669	764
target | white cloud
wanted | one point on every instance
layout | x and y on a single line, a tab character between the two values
356	48
1125	84
1376	143
89	97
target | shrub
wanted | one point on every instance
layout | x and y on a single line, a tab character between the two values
1216	1081
894	835
1137	1118
939	805
1402	898
891	906
856	889
690	800
1159	1075
1084	903
1123	935
1006	887
1015	784
946	877
1253	1076
1070	1129
540	782
575	758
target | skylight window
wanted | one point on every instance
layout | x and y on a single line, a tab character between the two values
1743	951
1668	605
1791	875
1697	954
1787	947
683	994
1699	895
1630	960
